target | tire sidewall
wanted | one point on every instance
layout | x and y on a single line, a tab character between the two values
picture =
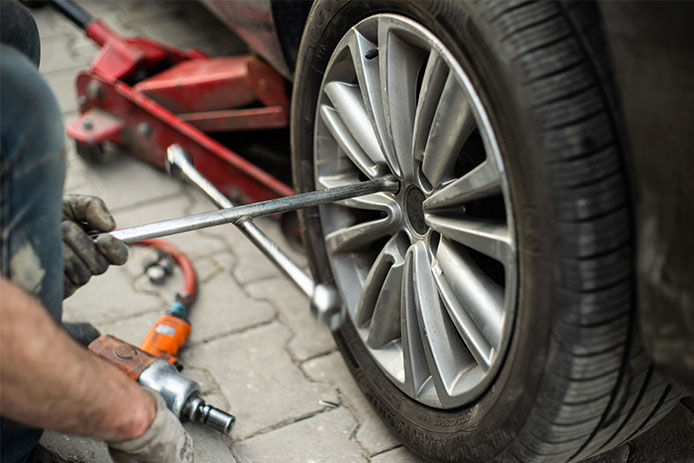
480	430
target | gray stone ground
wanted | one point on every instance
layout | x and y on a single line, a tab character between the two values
255	349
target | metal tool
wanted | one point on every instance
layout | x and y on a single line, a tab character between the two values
250	211
325	300
181	394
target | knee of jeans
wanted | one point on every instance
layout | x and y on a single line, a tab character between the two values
31	123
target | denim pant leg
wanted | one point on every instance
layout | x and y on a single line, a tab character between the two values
32	169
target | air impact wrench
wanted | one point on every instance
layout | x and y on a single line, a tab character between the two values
182	395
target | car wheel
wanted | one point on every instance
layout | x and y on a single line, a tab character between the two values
489	300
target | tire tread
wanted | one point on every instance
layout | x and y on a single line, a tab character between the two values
568	80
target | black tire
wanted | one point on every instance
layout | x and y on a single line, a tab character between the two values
576	381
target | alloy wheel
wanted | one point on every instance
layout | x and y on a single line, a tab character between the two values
428	274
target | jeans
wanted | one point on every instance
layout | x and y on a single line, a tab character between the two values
32	170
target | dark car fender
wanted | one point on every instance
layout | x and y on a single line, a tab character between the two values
650	45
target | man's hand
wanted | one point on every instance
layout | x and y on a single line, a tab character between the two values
83	256
49	381
164	441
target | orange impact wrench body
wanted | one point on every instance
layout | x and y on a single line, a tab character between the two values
172	329
167	335
152	364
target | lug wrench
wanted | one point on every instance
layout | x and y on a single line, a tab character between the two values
325	301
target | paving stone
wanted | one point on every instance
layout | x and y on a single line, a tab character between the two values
209	388
63	85
209	445
96	7
205	268
373	434
222	307
141	13
112	18
174	32
311	338
84	50
194	247
50	24
322	438
57	55
245	251
398	455
263	386
108	297
132	329
127	182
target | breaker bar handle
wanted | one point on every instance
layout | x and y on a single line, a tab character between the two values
240	214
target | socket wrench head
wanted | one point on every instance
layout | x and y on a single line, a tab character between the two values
198	411
326	306
175	158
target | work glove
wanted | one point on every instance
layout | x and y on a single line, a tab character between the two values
164	442
83	256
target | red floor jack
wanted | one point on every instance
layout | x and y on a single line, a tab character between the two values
144	96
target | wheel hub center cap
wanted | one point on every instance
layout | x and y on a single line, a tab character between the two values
414	211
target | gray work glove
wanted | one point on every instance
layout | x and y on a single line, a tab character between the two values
164	442
83	256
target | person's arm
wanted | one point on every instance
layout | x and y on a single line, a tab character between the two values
49	381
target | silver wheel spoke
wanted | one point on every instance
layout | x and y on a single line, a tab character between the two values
385	326
482	181
383	202
488	237
348	144
452	124
358	236
473	338
415	361
434	78
346	99
399	67
476	303
392	254
446	354
368	76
